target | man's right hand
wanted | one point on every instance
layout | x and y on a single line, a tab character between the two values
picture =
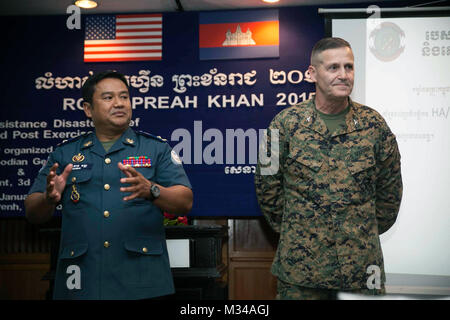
56	184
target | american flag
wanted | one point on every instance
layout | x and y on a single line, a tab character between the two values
129	37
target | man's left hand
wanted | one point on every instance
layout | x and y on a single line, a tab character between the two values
139	185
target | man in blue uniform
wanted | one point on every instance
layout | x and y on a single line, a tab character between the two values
113	184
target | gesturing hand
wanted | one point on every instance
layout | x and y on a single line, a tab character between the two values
56	184
139	185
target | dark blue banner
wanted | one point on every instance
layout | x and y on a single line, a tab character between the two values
211	112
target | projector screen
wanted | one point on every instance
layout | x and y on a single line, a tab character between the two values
402	70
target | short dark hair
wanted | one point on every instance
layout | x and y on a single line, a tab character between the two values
88	88
327	43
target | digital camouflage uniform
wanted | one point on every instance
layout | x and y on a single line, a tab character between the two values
287	291
332	197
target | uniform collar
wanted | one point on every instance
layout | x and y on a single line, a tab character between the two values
91	142
128	137
311	119
353	119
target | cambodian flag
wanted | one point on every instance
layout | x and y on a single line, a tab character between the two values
239	34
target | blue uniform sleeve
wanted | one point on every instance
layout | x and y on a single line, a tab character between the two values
169	170
40	183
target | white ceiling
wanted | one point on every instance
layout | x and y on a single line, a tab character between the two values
58	7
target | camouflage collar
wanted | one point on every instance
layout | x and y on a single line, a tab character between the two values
311	119
353	119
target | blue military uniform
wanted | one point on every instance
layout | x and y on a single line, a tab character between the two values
117	247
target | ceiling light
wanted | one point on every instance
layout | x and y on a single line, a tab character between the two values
270	1
86	4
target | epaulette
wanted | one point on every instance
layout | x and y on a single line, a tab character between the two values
149	135
73	139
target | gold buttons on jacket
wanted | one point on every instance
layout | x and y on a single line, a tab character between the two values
107	187
74	179
107	160
144	249
106	213
106	244
72	253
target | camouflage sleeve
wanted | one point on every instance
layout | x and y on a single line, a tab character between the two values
389	183
269	176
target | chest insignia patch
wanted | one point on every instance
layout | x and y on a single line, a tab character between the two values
78	158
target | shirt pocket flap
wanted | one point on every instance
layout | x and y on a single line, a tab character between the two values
306	158
79	176
361	163
148	173
145	246
73	250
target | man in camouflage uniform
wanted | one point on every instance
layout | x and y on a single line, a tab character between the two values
337	188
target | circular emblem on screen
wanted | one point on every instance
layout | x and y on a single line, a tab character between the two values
387	41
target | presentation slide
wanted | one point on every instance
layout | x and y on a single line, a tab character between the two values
402	70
